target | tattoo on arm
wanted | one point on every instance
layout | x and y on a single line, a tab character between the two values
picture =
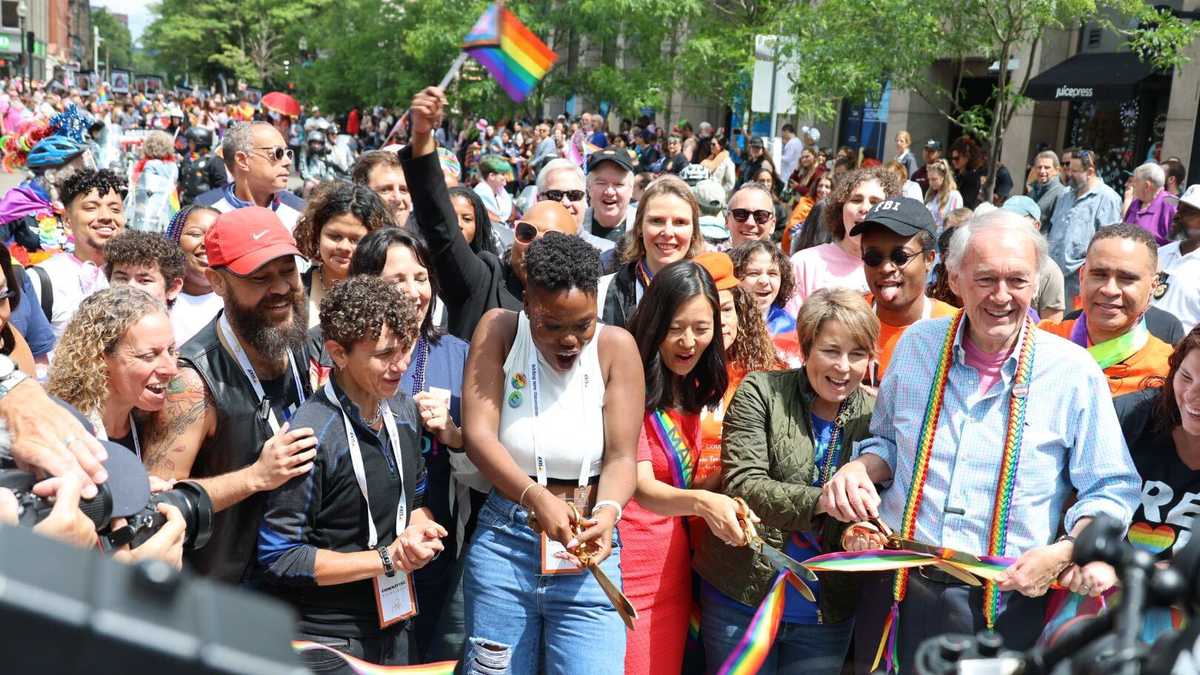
187	403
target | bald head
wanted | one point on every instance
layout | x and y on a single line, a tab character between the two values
547	216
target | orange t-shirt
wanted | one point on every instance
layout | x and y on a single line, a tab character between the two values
889	335
1127	376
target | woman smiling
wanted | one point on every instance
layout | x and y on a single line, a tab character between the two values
339	214
666	229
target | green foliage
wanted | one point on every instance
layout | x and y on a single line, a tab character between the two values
117	44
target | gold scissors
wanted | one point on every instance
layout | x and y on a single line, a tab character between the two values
778	559
942	557
585	553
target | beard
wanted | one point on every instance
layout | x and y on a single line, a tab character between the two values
271	341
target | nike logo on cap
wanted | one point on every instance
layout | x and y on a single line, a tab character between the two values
258	236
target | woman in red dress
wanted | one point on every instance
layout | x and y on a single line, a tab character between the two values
677	327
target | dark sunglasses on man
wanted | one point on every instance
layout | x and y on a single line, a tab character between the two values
899	257
557	195
525	232
277	153
761	216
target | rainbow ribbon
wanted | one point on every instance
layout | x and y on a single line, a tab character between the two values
364	668
681	458
752	650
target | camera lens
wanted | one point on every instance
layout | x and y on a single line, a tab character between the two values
196	506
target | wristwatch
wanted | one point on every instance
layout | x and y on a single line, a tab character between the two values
10	375
389	568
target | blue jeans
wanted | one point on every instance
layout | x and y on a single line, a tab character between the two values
808	649
560	624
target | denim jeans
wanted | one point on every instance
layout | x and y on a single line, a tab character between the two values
557	624
807	649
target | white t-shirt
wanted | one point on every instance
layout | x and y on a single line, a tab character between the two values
193	312
1178	286
71	280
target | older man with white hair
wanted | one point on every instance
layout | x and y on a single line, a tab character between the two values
984	427
1151	208
562	181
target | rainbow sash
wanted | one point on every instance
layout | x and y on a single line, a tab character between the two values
365	668
681	458
748	656
1116	350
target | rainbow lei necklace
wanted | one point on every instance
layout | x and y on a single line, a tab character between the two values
829	463
1013	435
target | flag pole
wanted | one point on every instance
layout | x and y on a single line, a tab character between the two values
455	67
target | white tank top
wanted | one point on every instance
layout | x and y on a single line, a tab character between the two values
567	429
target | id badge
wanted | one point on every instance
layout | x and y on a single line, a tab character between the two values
394	598
551	564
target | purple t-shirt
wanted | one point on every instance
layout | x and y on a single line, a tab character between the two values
1154	217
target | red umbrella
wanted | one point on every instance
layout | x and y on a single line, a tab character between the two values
279	102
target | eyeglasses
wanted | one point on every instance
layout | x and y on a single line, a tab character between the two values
557	195
525	232
899	257
278	152
761	216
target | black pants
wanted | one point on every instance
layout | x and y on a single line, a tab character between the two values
935	605
394	647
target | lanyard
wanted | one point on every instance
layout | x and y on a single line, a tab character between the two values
538	455
102	433
247	368
360	474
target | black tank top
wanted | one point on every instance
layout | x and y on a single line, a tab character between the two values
240	433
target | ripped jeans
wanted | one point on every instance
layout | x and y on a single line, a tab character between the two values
558	624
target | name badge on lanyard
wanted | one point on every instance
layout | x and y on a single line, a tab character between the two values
551	549
264	403
394	596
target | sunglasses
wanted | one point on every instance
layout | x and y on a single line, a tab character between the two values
277	153
557	195
525	232
761	216
898	256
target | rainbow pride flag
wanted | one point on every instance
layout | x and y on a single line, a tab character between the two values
509	51
364	668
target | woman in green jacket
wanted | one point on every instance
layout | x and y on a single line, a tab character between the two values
785	434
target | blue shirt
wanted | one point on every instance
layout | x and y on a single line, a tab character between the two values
1074	222
1072	441
29	319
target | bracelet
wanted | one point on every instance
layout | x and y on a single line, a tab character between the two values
609	502
388	568
529	487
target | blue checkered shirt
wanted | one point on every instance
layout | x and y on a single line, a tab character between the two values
1072	441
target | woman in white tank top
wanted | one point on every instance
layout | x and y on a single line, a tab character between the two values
552	408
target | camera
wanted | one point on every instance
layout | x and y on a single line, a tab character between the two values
126	494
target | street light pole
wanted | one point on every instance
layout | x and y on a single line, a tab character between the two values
96	40
26	58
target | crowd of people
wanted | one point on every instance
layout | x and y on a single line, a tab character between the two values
428	383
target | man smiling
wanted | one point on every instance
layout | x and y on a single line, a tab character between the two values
751	214
898	250
1115	283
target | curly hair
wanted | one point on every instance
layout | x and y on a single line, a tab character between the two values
144	249
742	254
158	145
634	249
752	349
560	262
844	188
78	374
358	309
82	182
1165	406
335	198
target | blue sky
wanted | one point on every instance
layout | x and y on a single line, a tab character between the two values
138	11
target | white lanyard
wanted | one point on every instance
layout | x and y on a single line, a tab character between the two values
248	369
539	458
360	474
102	433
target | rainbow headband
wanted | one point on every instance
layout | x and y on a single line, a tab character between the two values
1013	436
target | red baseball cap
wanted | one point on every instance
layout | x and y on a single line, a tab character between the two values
244	240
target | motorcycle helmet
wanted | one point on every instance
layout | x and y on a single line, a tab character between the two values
201	137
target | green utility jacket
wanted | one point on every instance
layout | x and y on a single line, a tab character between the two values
767	459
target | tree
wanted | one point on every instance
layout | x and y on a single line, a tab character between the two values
831	64
244	39
117	46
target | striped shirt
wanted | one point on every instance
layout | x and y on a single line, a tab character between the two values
1072	441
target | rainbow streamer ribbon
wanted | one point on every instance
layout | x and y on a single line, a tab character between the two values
364	668
509	51
680	457
748	656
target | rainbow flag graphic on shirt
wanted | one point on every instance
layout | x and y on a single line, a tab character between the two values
509	51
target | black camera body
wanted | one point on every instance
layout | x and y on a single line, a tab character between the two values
191	500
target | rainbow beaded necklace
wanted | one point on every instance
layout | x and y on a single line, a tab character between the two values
829	462
1013	435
